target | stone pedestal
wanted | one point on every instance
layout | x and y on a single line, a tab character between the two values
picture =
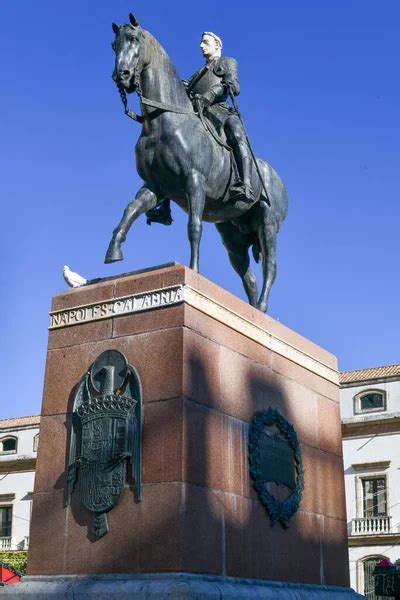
207	362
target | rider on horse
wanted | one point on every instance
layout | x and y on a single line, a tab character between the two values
209	89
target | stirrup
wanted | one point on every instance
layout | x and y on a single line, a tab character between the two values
241	193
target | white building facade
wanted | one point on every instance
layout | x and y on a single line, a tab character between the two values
18	449
370	408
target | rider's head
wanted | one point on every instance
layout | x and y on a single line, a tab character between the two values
211	45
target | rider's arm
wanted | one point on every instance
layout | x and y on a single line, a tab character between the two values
227	70
230	78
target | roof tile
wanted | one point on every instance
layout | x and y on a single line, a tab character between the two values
372	373
19	422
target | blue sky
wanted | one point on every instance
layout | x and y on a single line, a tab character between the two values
320	97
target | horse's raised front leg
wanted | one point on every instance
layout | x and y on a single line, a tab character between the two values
196	199
238	251
145	200
267	237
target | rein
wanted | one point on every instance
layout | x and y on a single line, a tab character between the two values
166	107
169	108
128	111
163	106
147	102
207	126
153	103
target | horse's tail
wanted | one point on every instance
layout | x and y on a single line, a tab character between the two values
256	249
277	196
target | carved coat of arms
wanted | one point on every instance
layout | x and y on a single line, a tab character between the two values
105	435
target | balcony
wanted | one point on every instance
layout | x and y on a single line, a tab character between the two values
5	543
371	526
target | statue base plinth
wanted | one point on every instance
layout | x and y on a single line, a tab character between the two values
207	362
171	586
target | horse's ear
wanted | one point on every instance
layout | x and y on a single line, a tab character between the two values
133	20
115	28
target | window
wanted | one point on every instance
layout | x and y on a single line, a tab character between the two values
36	442
8	445
5	521
370	401
368	567
374	497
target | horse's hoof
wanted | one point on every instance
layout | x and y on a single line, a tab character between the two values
113	254
263	306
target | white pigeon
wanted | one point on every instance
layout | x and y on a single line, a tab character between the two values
74	280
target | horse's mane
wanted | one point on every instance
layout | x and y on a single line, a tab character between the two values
169	72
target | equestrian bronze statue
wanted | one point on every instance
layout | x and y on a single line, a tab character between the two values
193	149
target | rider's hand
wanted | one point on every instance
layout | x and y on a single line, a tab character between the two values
199	99
203	101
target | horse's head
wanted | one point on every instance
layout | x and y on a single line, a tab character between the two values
128	54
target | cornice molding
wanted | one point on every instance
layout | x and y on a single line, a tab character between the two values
15	465
361	428
374	540
368	466
6	430
6	498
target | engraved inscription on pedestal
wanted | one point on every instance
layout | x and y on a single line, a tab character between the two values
276	464
105	435
117	307
276	460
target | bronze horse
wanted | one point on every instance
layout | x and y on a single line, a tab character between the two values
177	158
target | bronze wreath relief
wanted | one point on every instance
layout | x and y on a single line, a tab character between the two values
275	458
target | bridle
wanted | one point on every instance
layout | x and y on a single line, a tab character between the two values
128	111
137	72
163	106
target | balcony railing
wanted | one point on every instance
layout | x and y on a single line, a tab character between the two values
5	543
371	526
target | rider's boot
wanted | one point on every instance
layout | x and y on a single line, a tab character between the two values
160	213
241	190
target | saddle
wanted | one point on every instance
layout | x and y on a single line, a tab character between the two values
213	120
